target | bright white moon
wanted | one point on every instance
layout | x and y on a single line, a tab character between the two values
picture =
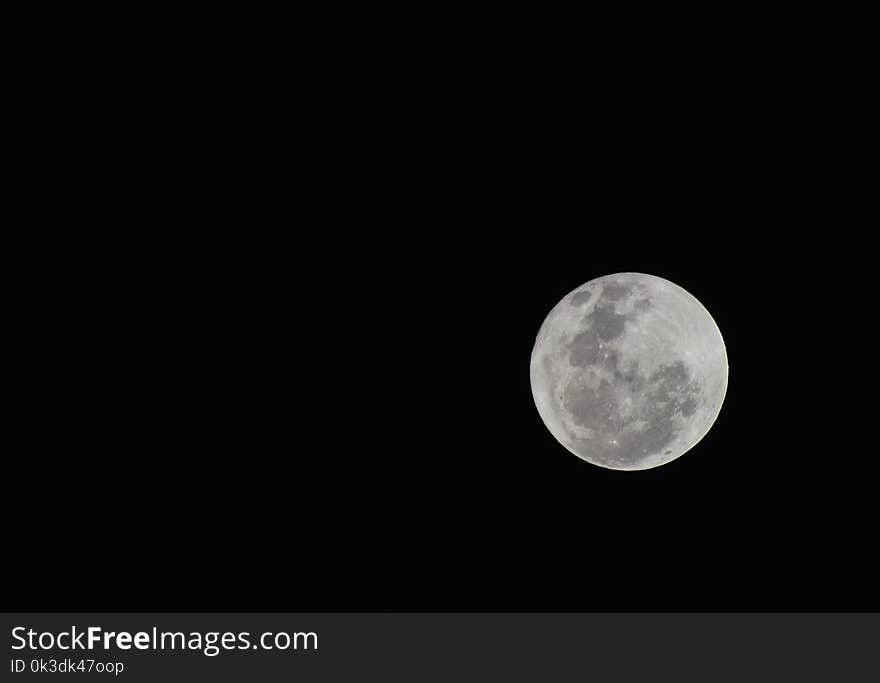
629	371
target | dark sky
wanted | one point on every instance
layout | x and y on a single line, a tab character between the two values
299	379
232	429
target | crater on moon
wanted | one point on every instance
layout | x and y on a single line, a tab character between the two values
629	371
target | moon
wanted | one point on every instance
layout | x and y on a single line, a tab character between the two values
629	371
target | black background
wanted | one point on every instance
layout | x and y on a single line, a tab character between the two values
278	357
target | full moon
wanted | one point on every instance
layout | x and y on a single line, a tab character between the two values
629	371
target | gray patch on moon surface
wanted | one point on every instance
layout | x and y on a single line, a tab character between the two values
580	298
634	379
615	291
606	324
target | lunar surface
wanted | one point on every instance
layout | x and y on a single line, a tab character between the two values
629	371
